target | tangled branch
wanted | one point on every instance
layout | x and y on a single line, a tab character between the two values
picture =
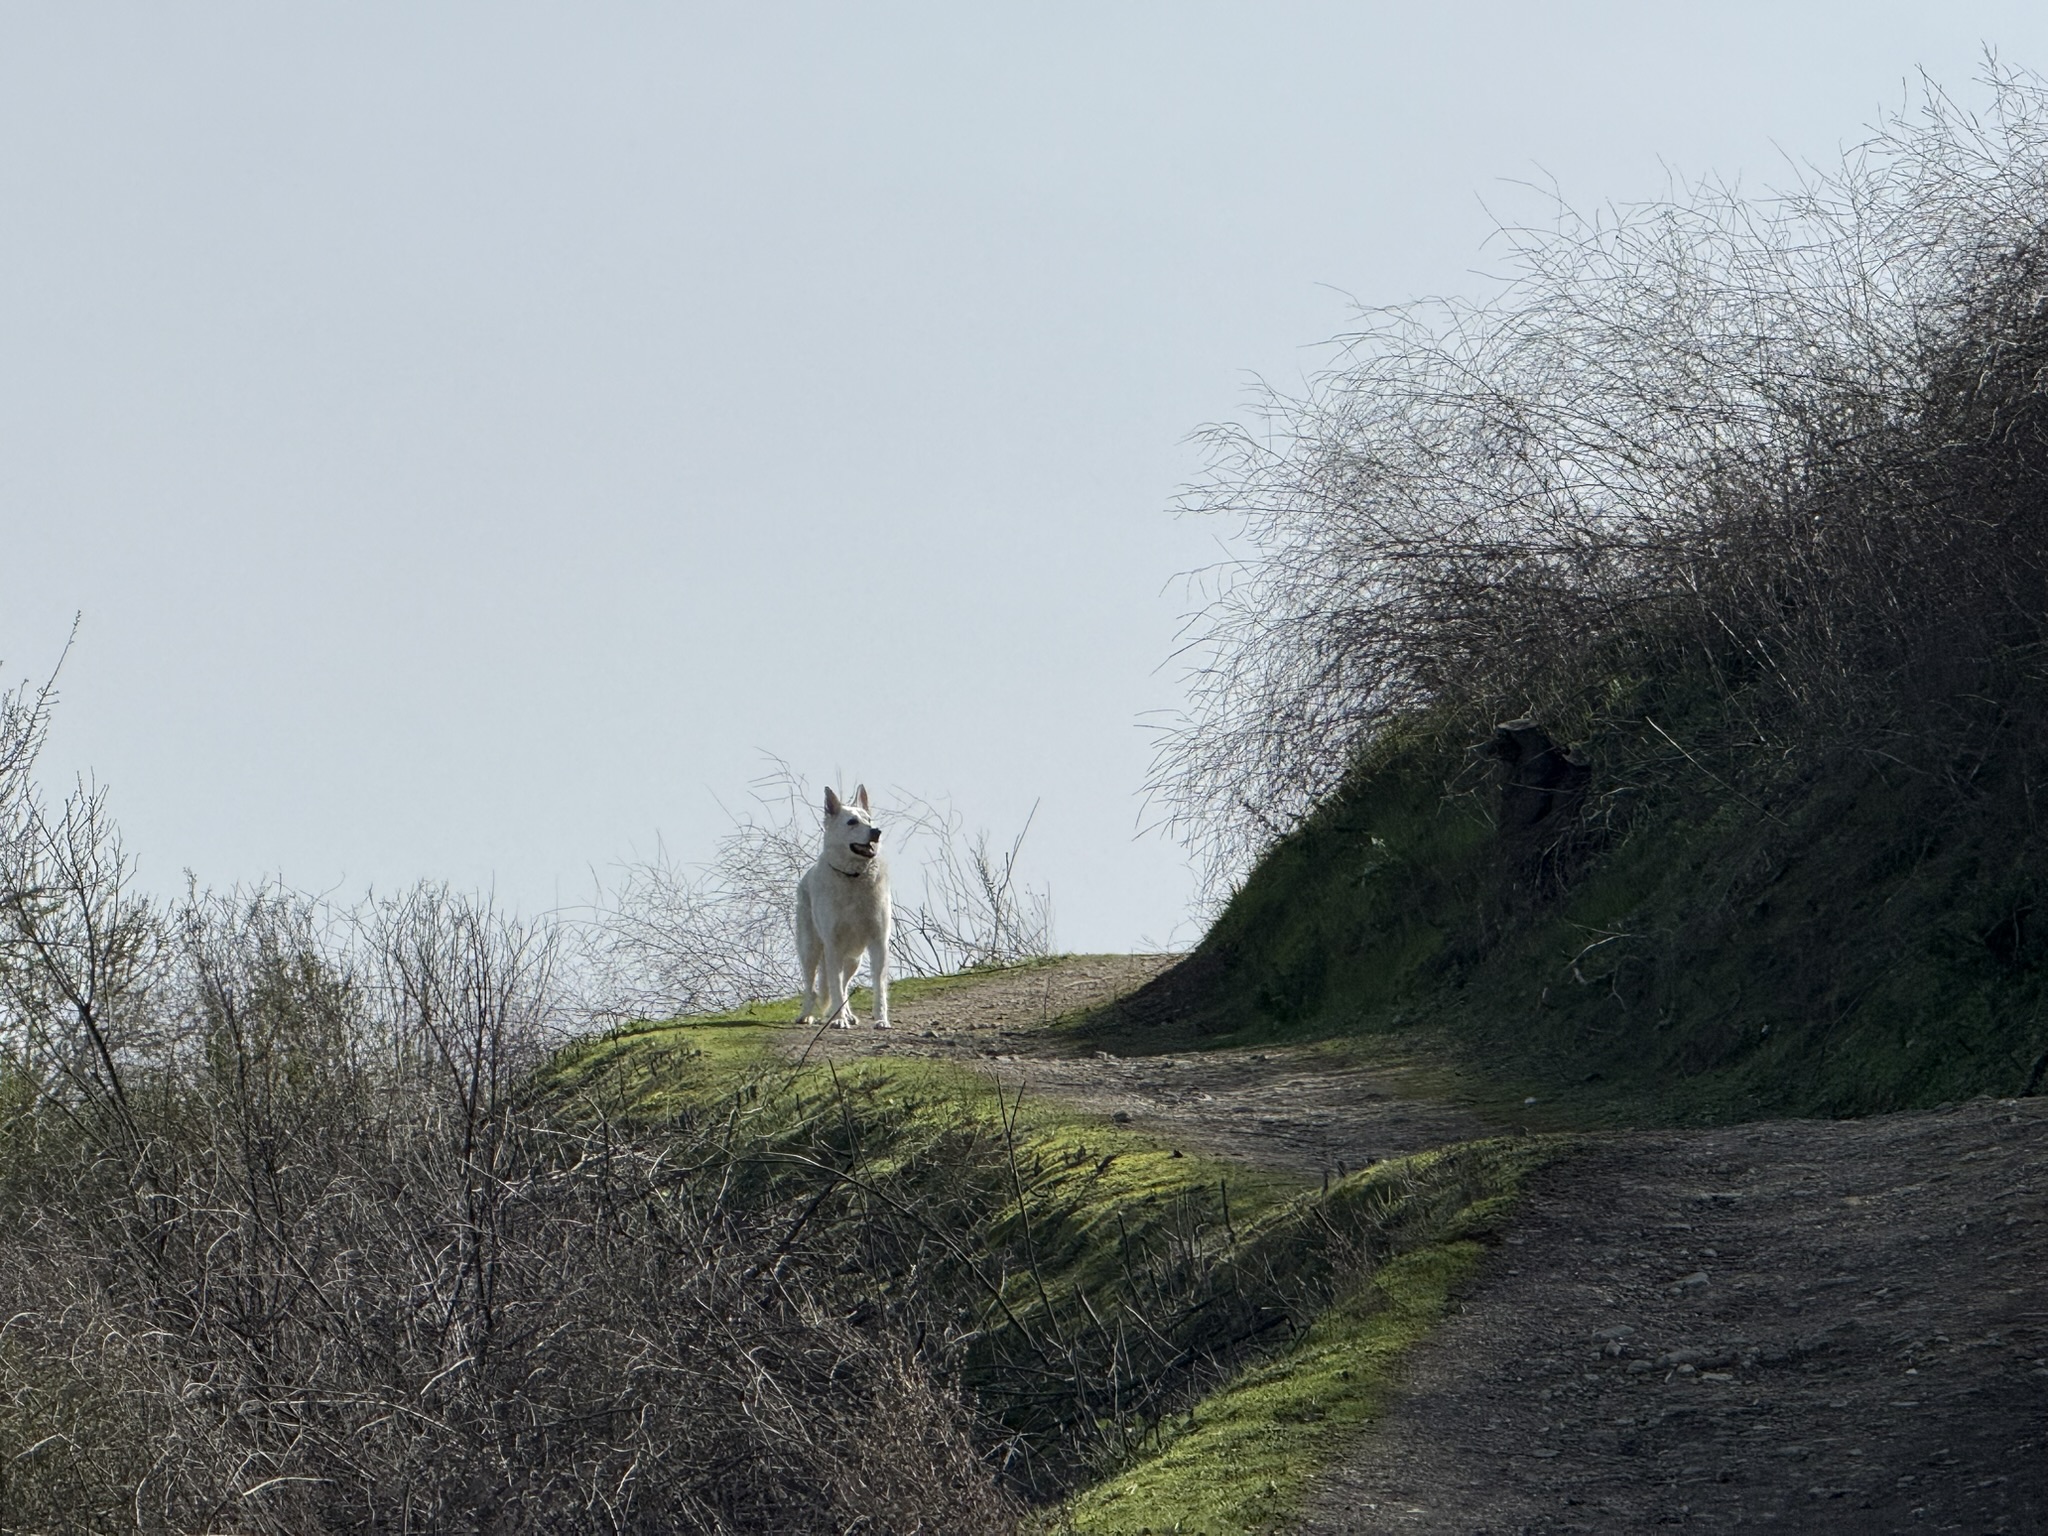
1752	432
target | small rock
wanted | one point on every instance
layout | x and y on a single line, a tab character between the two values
1121	1117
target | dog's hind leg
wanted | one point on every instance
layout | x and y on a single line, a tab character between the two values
810	954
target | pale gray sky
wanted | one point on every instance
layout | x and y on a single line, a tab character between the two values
474	433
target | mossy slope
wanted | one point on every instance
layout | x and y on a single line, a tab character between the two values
1242	1459
1843	939
1099	1284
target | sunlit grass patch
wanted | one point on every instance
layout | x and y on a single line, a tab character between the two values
1089	1282
1084	1272
733	1039
1243	1458
644	1071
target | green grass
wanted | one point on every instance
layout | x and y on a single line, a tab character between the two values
1243	1458
1041	1232
1035	1231
655	1066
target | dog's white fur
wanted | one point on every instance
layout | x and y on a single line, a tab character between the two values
842	908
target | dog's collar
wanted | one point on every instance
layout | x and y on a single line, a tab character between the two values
851	874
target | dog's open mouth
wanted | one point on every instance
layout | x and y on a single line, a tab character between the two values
865	850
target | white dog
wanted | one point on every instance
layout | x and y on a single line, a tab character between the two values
842	908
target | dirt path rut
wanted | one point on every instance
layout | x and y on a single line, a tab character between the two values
1800	1325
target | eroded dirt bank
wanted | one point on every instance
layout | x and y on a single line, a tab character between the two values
1816	1326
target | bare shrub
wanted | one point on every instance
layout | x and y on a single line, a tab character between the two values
80	952
974	911
311	1251
669	939
1791	440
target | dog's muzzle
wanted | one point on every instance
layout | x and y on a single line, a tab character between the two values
867	849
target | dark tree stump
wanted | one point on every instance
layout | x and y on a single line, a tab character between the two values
1541	784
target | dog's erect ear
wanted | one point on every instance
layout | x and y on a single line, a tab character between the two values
860	796
831	802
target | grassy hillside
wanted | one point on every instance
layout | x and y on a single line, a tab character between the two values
1706	940
1188	1340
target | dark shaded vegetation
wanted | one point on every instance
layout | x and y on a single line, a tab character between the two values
1748	503
1857	942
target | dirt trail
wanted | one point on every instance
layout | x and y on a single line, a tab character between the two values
1810	1325
1275	1107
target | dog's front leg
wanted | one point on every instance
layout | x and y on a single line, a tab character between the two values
838	1006
878	967
810	954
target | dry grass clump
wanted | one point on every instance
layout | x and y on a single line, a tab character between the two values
1789	448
